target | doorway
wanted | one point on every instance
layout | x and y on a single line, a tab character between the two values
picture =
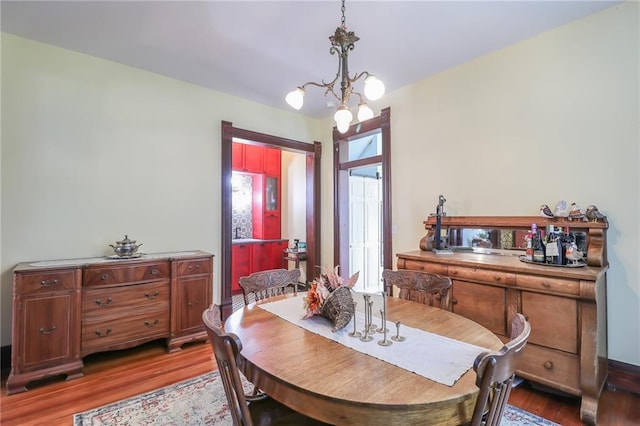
312	153
362	199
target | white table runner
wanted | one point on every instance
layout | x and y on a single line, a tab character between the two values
435	357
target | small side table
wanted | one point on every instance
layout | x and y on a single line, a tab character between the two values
293	255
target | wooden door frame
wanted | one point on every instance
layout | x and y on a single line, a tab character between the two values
382	123
313	153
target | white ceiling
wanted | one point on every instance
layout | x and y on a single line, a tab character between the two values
260	50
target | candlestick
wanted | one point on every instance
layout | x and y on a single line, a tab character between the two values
372	326
354	333
398	337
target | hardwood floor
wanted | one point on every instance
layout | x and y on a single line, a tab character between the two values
110	377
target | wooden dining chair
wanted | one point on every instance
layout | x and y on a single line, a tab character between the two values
246	410
495	374
265	284
417	286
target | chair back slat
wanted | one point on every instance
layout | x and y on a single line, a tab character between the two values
495	375
265	284
421	287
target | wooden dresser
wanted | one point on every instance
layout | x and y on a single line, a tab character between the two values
64	310
567	307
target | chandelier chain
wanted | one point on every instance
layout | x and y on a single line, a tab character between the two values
343	8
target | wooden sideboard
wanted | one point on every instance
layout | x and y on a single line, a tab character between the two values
567	307
64	310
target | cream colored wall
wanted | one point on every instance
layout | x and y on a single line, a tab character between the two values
552	118
93	150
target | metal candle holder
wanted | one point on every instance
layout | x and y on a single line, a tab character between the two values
354	333
398	337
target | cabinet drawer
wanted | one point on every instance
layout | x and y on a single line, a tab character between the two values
481	275
111	275
434	268
553	368
123	332
194	267
548	284
124	300
27	283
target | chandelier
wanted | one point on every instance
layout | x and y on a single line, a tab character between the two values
341	43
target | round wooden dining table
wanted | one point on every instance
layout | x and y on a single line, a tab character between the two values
341	386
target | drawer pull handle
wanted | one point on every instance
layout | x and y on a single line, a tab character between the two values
149	325
99	302
49	331
154	271
189	303
149	296
454	301
104	277
548	365
48	283
546	285
105	334
497	278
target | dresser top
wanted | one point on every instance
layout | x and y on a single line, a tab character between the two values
80	262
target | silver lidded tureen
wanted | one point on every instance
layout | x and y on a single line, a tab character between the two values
126	247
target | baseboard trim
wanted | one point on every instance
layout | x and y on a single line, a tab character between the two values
624	376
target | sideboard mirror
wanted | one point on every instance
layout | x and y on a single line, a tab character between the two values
506	234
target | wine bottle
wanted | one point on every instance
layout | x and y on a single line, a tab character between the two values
538	249
529	251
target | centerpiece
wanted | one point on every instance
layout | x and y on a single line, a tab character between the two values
329	295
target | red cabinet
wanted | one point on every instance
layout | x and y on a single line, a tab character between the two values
277	253
247	158
261	257
272	161
247	258
240	265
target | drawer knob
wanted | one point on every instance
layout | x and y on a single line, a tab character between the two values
154	271
497	278
104	277
548	365
48	283
454	301
546	285
49	331
152	296
105	334
150	325
99	302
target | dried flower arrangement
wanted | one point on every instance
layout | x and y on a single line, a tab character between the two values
330	296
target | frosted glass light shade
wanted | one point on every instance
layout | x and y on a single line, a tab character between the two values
364	112
343	118
295	98
373	88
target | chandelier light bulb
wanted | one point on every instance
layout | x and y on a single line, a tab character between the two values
364	112
373	88
295	98
343	118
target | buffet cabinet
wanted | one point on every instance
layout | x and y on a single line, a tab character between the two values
64	310
566	306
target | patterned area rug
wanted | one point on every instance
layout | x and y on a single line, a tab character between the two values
201	401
